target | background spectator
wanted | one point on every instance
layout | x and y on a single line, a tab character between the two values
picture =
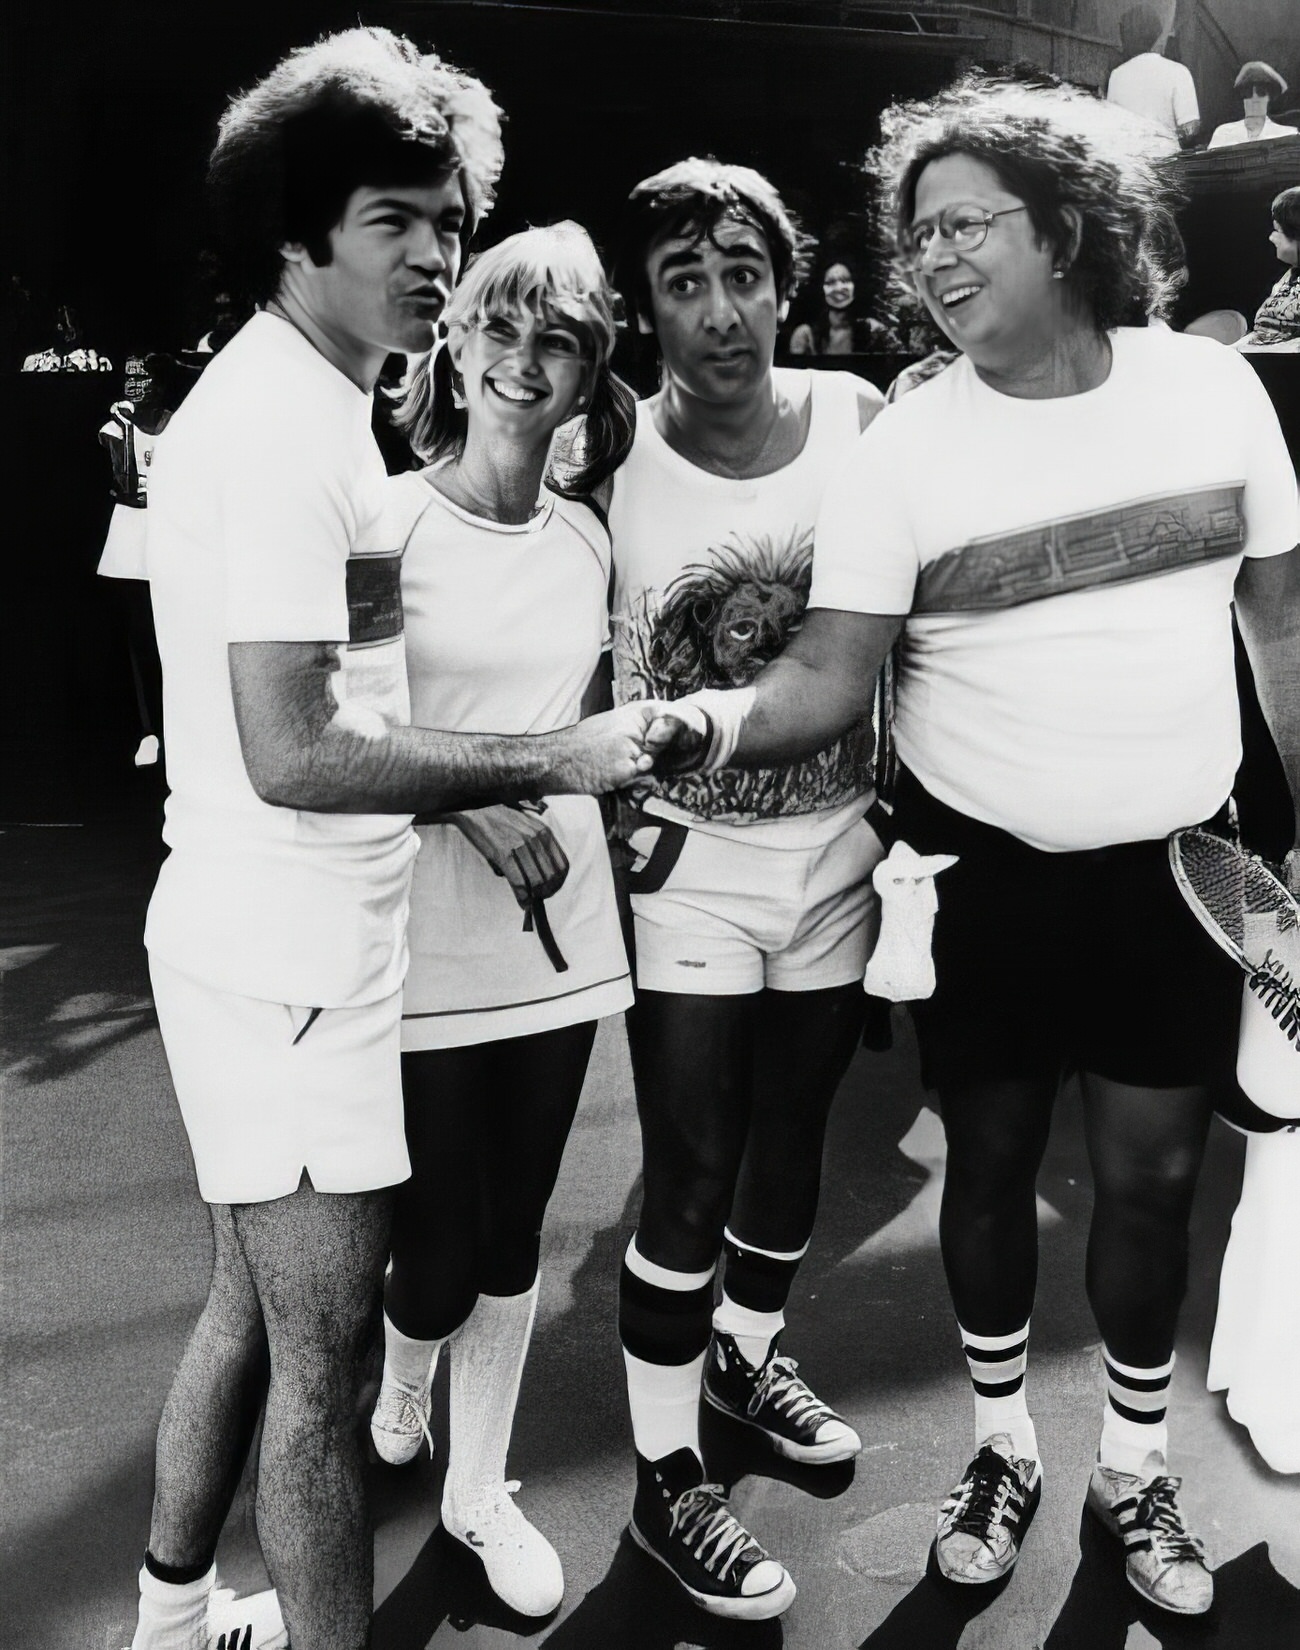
1149	84
1258	85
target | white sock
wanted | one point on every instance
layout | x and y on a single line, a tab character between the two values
753	1332
997	1369
665	1404
487	1363
173	1614
1136	1442
664	1399
409	1361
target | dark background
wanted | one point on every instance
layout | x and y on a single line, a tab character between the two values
107	112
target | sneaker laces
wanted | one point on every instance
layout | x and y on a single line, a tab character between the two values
701	1516
1157	1516
779	1385
979	1503
398	1405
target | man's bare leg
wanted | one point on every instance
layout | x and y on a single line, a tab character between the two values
211	1411
317	1262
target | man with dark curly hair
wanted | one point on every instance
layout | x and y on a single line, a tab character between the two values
752	900
346	185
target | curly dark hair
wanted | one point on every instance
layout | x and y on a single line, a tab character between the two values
1071	158
360	108
692	198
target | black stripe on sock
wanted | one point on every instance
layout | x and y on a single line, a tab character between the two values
1003	1355
998	1389
178	1575
760	1282
663	1326
1144	1416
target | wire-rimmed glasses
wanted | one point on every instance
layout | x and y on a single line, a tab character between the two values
961	229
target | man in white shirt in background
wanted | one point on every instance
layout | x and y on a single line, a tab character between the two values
1153	86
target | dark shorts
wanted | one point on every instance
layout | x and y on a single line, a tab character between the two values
1051	962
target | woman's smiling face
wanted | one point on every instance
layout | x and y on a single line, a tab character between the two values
522	374
995	297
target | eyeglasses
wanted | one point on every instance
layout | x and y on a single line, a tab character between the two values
962	230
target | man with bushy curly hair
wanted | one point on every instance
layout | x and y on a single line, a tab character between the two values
346	185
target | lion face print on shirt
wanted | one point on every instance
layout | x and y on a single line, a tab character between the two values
716	625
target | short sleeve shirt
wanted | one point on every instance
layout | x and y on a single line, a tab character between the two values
266	523
1066	672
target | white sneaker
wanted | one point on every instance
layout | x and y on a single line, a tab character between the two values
523	1569
1163	1560
400	1420
251	1623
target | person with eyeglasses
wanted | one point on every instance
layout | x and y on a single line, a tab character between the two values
1054	531
1258	85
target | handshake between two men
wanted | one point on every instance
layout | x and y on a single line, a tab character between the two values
623	748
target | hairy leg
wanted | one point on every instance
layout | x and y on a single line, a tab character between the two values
316	1260
211	1411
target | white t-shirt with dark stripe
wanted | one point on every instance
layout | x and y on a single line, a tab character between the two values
504	628
1067	670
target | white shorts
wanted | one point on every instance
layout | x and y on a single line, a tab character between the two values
263	1098
733	917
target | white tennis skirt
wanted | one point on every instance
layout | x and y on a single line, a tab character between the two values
267	1090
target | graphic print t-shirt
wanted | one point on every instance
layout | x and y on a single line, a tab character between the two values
267	524
1066	672
711	581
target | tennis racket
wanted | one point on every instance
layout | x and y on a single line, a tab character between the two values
1249	912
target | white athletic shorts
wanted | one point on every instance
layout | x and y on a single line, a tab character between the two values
265	1094
733	917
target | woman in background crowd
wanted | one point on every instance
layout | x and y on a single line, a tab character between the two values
1259	85
1277	320
840	325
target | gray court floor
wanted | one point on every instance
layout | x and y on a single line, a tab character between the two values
104	1262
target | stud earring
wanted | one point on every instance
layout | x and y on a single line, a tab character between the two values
1058	274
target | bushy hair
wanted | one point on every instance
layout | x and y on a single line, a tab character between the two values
1286	212
690	199
1058	150
360	108
554	275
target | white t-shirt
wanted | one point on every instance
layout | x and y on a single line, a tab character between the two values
1234	131
504	628
1067	670
711	576
266	501
1157	89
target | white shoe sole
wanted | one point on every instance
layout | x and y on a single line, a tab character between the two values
761	1607
812	1455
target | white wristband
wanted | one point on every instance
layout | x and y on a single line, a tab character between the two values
726	709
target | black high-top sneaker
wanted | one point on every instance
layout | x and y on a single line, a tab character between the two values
774	1399
687	1525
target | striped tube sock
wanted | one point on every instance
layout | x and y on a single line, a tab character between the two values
1133	1427
997	1373
756	1288
663	1323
